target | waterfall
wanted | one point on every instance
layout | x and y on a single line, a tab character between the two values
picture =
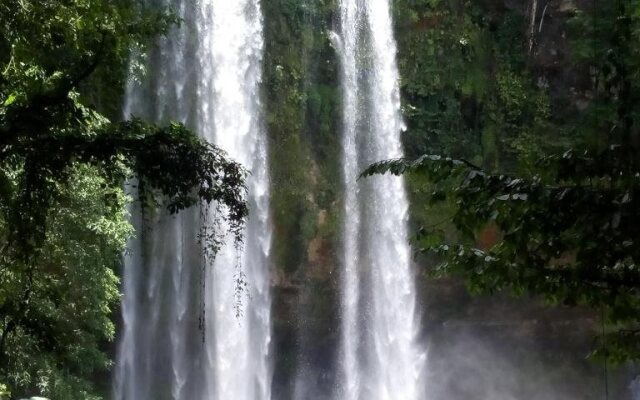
188	333
380	356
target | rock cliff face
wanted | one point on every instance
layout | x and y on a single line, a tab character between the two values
454	58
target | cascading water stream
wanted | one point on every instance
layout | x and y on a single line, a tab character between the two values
380	356
182	338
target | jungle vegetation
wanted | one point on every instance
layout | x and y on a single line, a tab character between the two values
63	168
537	155
540	186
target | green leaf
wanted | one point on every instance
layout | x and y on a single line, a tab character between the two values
10	100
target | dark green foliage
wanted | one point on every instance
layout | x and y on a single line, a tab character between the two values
55	307
301	83
465	84
563	225
570	234
169	161
468	91
302	92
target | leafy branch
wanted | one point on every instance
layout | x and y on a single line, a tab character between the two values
568	233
